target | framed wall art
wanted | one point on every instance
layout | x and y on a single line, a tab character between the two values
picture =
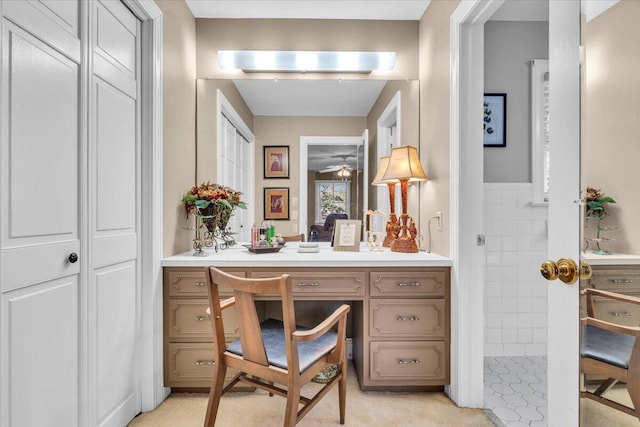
276	161
495	120
276	203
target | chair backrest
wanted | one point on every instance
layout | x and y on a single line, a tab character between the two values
244	290
294	238
331	219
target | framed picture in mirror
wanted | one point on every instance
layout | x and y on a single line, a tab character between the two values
276	203
495	120
276	161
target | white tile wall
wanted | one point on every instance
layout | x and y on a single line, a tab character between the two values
515	293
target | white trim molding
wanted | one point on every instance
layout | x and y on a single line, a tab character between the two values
466	195
151	364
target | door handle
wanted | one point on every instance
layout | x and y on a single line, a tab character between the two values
566	270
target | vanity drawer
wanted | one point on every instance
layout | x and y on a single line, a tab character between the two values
323	283
621	280
188	319
410	363
191	365
192	282
418	284
407	318
621	313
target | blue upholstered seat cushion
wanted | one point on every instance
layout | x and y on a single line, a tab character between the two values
273	337
606	346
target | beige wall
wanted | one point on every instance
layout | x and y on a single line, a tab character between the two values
610	148
277	130
207	123
307	34
179	100
434	119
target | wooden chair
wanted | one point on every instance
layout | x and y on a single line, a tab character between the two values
274	351
294	238
611	350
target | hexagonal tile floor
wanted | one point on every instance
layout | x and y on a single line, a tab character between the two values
515	390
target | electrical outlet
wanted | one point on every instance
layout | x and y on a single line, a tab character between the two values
439	220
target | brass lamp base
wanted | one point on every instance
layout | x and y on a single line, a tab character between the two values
407	232
391	231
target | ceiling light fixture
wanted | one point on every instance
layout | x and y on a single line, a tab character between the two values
253	61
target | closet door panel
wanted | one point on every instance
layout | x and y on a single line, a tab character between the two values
40	155
42	339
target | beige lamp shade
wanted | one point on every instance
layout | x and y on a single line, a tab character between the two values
382	168
404	163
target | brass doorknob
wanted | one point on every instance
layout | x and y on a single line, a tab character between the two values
566	270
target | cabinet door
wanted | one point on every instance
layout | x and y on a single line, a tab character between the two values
40	154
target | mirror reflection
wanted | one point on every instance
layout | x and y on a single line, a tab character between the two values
335	130
610	108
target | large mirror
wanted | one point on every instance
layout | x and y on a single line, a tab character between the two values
609	156
342	127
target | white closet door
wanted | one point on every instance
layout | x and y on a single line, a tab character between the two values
114	188
40	154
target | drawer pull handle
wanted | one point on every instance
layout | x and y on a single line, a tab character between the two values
620	313
621	280
412	318
303	284
204	362
199	284
414	284
408	362
200	318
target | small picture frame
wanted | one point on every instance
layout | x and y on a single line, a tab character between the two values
276	203
495	120
346	235
276	162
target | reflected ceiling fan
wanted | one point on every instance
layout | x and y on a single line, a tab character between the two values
345	168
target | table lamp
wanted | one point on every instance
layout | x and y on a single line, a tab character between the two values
391	183
404	166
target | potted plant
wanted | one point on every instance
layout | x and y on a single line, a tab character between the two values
596	203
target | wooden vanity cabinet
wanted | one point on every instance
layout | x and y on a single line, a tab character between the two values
400	322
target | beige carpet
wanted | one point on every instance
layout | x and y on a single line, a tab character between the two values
363	409
594	414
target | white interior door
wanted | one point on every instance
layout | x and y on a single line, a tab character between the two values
40	152
114	189
564	128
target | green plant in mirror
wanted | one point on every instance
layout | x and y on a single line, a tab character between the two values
596	202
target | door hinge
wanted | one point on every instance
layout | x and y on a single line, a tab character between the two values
480	240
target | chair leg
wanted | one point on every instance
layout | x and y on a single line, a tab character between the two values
217	384
293	400
342	385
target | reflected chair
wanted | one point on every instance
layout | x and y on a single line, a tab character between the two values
294	238
274	351
323	233
610	350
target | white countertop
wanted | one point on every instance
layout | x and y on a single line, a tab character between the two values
239	256
613	259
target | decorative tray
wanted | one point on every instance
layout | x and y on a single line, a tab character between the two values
264	250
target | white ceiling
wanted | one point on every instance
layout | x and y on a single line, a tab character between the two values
350	98
522	10
320	157
310	9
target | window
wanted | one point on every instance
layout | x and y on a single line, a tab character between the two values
331	197
540	130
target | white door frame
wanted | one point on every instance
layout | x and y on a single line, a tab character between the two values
466	195
390	115
150	362
467	38
305	142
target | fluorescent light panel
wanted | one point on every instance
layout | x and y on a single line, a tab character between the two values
305	61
